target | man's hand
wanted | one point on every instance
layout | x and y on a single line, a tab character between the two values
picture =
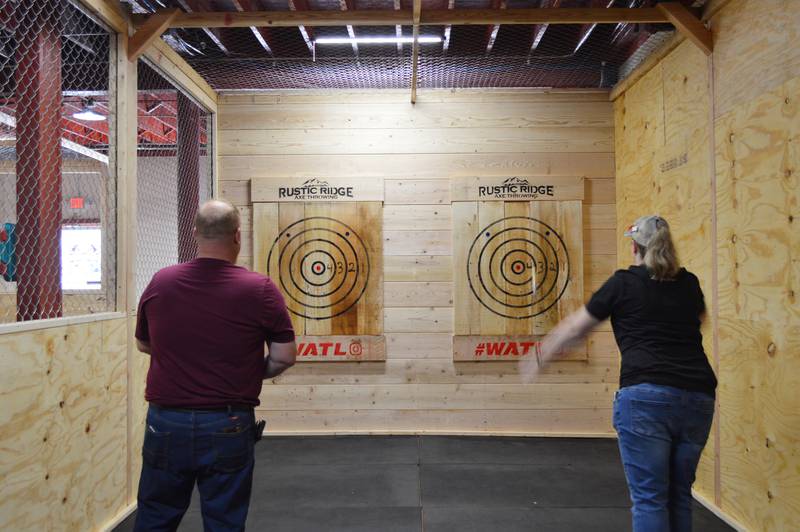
281	357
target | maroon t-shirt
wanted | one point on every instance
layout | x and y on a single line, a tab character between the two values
207	321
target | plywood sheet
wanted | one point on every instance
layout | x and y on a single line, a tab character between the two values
327	259
63	438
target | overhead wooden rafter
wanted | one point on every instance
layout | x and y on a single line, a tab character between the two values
688	25
151	30
417	13
433	17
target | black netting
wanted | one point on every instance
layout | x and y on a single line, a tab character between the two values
475	56
57	190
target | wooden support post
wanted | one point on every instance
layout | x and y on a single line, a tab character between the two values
151	30
689	25
188	175
38	95
415	50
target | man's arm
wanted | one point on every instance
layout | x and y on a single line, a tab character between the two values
281	357
144	347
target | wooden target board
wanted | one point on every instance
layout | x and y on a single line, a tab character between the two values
326	258
518	270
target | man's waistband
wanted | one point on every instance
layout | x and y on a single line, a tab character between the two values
203	409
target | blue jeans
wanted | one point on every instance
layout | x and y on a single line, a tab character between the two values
662	432
213	449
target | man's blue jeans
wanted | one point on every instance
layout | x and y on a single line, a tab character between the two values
213	449
662	431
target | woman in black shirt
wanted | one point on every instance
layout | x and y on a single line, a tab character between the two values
665	405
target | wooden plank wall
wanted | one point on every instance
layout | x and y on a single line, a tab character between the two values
417	149
730	128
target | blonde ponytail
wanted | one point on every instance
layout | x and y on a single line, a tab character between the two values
660	256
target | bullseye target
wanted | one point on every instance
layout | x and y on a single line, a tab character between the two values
322	265
518	267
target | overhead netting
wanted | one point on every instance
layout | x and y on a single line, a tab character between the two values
470	56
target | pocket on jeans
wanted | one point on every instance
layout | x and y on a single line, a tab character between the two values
233	450
650	418
699	423
155	450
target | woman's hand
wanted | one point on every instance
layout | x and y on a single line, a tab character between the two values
573	328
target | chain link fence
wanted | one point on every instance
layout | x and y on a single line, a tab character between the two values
174	172
57	192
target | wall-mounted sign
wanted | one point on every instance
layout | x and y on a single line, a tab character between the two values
340	348
294	189
548	188
505	348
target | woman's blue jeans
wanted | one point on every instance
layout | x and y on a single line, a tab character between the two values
181	448
662	432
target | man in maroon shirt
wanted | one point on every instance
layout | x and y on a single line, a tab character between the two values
205	323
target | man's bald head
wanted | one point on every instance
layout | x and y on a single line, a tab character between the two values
216	220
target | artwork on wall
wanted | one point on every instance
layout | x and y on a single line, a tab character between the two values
321	242
518	263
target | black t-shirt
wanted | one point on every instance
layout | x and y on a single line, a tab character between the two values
657	327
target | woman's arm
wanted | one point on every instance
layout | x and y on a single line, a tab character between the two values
573	328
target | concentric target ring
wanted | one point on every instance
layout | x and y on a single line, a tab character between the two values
322	266
518	267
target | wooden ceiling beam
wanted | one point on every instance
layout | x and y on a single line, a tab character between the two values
151	30
687	24
437	17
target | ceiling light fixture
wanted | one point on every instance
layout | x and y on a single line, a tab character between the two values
87	113
376	40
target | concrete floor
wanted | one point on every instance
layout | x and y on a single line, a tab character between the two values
438	483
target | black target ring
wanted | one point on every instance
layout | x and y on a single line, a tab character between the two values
317	267
518	238
494	283
323	266
309	291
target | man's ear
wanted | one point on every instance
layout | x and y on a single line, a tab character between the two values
237	236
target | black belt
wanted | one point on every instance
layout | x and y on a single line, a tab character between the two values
205	409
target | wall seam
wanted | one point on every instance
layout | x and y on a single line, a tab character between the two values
714	275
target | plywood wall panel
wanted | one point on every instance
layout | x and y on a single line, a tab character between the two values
751	55
66	387
500	134
749	465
